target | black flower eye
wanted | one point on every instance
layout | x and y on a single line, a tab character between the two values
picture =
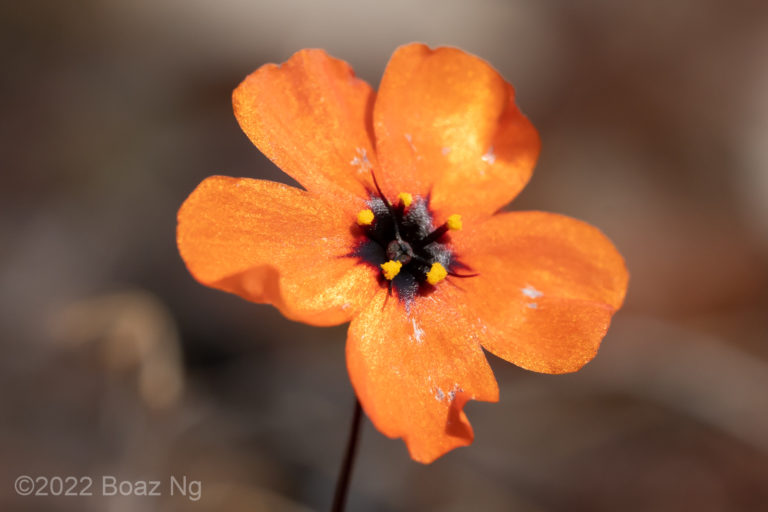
401	240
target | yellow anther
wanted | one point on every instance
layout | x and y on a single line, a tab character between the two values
436	274
391	269
365	217
454	222
406	198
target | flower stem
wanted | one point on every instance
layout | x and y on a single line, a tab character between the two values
342	483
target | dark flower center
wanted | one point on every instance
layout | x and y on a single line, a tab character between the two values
401	241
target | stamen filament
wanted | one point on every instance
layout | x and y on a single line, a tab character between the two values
434	236
454	274
387	203
453	223
378	189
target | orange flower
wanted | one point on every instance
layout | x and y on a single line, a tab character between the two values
420	262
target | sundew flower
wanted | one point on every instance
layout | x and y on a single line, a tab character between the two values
398	231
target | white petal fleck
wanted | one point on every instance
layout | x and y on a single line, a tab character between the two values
532	305
418	332
452	393
531	292
441	395
489	157
409	138
361	160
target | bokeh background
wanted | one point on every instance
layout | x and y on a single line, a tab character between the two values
654	122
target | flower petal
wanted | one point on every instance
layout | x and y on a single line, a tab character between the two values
446	123
546	290
311	117
413	370
269	242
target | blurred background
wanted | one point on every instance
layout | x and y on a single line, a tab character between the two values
654	122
